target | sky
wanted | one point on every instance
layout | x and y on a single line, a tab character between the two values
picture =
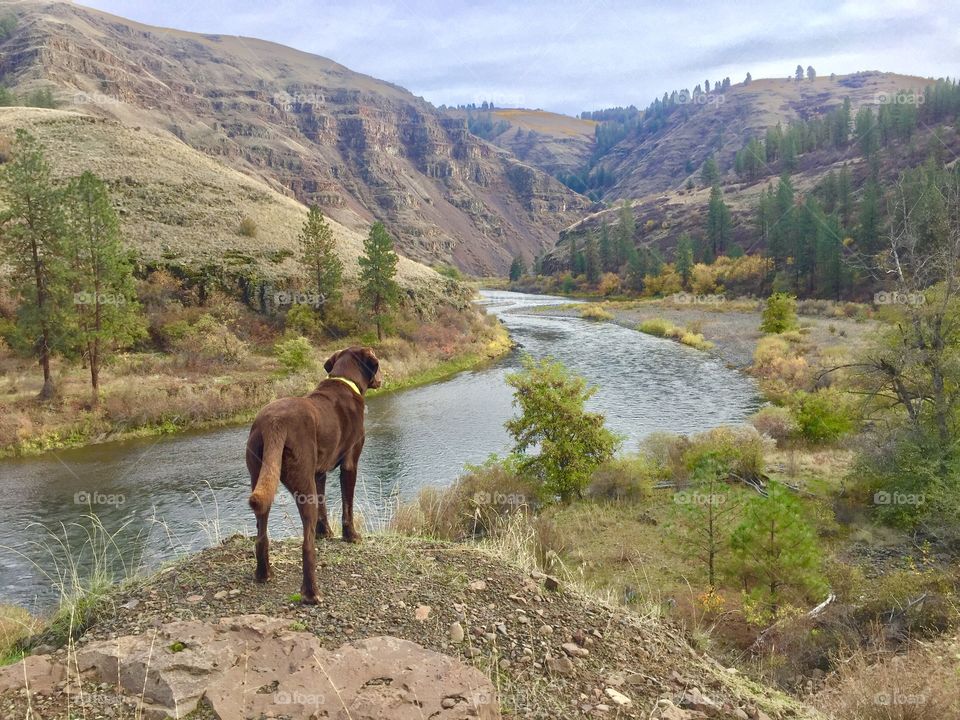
574	56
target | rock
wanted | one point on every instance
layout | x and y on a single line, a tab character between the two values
36	673
220	595
740	714
477	585
194	599
618	698
693	699
456	633
561	665
551	583
422	613
252	665
574	650
546	630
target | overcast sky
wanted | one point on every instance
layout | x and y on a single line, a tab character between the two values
573	56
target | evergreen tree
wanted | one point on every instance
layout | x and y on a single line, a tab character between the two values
782	227
710	172
318	256
747	80
684	260
718	222
868	233
606	250
33	226
517	269
798	75
591	260
626	228
775	551
106	313
811	73
379	292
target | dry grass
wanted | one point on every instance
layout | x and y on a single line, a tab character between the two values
920	684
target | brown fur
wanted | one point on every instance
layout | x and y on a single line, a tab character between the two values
297	441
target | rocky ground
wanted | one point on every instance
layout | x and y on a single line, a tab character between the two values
549	651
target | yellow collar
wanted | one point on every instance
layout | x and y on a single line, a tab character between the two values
349	383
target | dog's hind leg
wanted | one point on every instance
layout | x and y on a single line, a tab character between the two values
307	503
263	572
323	522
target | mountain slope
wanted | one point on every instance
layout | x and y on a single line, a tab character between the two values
652	161
361	148
180	208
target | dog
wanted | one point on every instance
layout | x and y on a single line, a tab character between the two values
297	441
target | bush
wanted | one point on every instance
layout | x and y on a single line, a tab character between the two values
780	313
476	505
595	311
207	341
303	320
739	450
775	422
779	367
656	326
623	479
248	227
821	417
294	353
609	284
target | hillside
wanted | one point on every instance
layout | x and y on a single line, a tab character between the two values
550	651
361	148
179	207
652	162
555	143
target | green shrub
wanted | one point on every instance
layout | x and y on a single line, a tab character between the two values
595	311
207	341
656	326
248	227
623	479
294	353
739	450
780	313
775	422
302	320
822	416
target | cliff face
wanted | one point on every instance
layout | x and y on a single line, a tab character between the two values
361	148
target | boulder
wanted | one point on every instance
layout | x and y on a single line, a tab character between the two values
253	666
35	673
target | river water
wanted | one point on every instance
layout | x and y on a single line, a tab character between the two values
156	498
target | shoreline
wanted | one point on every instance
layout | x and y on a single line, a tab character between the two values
37	446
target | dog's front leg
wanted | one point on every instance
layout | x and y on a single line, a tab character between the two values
348	481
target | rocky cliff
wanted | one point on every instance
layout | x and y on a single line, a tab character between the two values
361	148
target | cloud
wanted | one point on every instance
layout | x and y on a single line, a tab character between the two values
572	55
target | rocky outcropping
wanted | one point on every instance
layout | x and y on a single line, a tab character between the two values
253	666
361	148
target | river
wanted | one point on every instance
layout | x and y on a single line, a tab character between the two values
157	498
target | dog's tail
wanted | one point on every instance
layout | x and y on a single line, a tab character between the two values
262	496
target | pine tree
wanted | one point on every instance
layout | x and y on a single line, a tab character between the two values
106	313
591	260
626	228
710	172
32	234
318	255
868	234
798	75
718	222
517	269
605	250
775	550
379	292
811	73
684	260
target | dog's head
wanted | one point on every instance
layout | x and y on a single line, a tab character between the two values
359	364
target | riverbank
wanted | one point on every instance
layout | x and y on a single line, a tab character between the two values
550	650
151	394
732	326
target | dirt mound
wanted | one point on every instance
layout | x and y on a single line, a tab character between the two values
549	652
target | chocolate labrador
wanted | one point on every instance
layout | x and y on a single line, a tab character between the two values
297	441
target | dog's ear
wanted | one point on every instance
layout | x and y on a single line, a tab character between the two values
331	361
